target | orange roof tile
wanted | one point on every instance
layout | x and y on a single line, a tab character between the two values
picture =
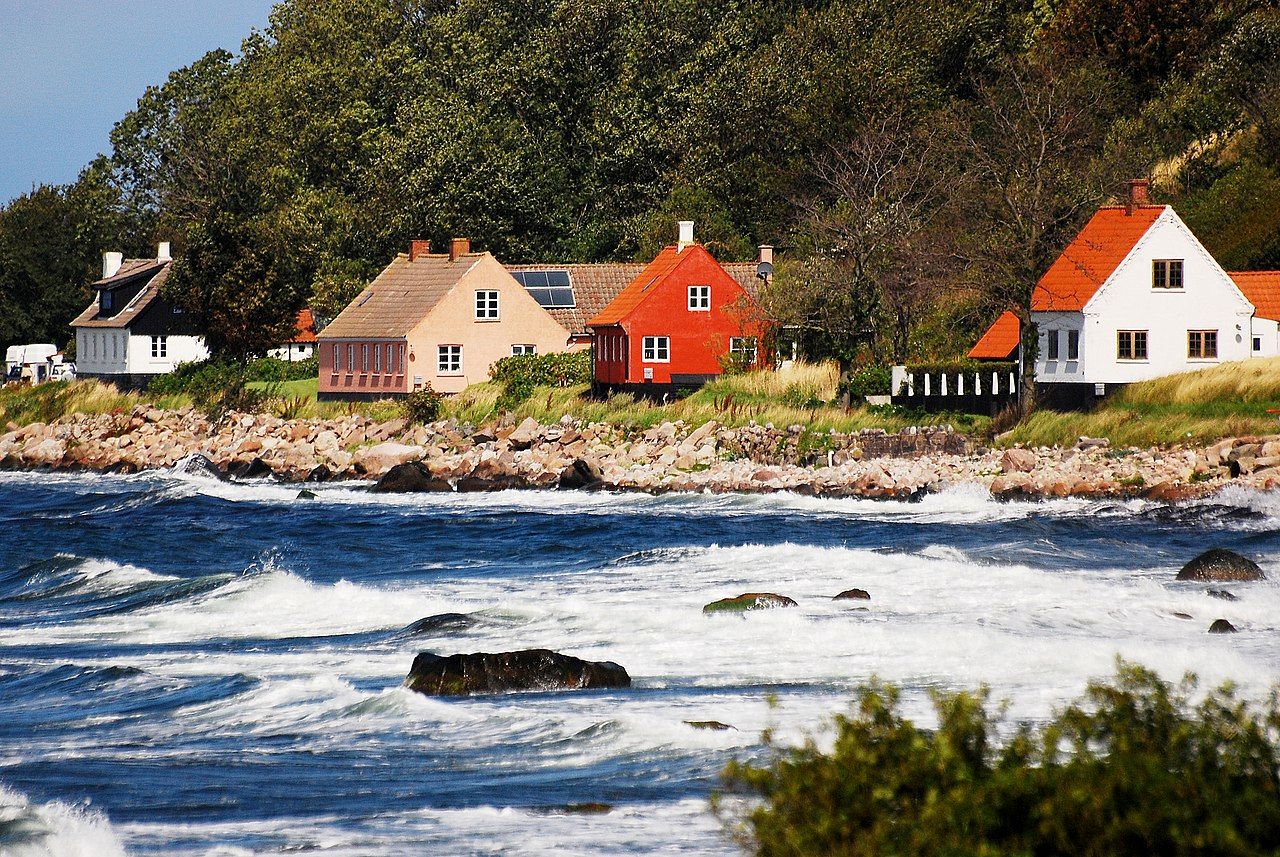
630	297
1000	340
1262	288
305	327
1092	257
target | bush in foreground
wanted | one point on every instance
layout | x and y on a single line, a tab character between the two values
520	374
1134	768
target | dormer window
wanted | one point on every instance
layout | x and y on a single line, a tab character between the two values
108	300
1166	274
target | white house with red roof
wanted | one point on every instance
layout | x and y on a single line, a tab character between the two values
1135	296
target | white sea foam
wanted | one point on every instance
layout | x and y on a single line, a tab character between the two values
53	829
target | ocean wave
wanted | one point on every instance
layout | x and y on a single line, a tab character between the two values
53	829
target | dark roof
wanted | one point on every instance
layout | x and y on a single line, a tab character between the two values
400	297
153	272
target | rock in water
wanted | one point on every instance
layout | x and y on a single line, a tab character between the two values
531	669
1222	626
440	622
1220	593
410	477
581	474
713	725
853	594
749	601
1217	564
197	464
304	494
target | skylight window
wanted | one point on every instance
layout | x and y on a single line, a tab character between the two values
551	289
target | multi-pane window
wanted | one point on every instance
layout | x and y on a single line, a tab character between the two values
1053	345
377	357
744	348
1073	345
364	357
108	300
159	346
657	349
486	305
337	357
1166	274
1131	345
450	359
400	362
523	349
700	298
351	358
1202	344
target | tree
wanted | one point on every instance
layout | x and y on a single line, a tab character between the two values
1039	157
1131	769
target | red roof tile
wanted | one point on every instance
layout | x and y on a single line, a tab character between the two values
1092	257
305	328
1000	340
1262	288
630	297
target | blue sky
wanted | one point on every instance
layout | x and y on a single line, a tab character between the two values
69	69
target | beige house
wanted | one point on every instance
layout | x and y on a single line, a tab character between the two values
432	318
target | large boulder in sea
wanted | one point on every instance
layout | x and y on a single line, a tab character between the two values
581	474
409	477
852	595
198	464
749	601
530	669
1218	564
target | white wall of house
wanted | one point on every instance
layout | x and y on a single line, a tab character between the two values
1267	335
1208	301
114	351
293	352
1060	325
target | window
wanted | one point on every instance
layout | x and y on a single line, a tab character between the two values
1257	343
1053	344
743	347
377	357
108	300
1166	274
657	349
401	361
351	358
159	346
486	305
1202	344
337	357
450	359
523	349
364	357
700	298
1073	345
1131	345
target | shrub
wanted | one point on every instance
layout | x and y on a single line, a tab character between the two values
422	406
215	386
871	381
520	374
1131	769
271	369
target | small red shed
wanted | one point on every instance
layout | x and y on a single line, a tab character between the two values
677	325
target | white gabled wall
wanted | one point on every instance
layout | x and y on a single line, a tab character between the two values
179	349
1209	300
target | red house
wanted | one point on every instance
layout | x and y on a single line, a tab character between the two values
677	325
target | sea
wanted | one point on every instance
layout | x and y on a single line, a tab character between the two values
195	667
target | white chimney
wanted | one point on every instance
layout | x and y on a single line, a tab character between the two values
686	235
111	263
162	252
766	253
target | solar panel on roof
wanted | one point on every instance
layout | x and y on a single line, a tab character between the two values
551	289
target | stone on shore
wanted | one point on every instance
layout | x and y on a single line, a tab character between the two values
377	460
410	477
749	601
1222	626
853	595
1018	461
502	672
581	474
1220	565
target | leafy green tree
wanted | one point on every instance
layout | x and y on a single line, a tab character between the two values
1134	768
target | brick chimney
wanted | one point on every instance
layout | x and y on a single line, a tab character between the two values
459	247
418	247
1139	194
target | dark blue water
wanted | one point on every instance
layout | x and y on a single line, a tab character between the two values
187	665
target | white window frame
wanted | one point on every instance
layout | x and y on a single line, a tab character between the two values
656	349
351	358
487	304
747	346
518	349
699	299
1257	343
449	360
159	348
400	361
377	358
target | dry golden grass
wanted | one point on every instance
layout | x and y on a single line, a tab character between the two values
47	402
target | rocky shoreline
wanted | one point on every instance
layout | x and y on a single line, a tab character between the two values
446	456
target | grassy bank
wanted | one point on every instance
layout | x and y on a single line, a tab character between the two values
1223	401
47	402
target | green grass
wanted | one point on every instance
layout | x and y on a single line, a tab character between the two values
1229	400
45	403
304	388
